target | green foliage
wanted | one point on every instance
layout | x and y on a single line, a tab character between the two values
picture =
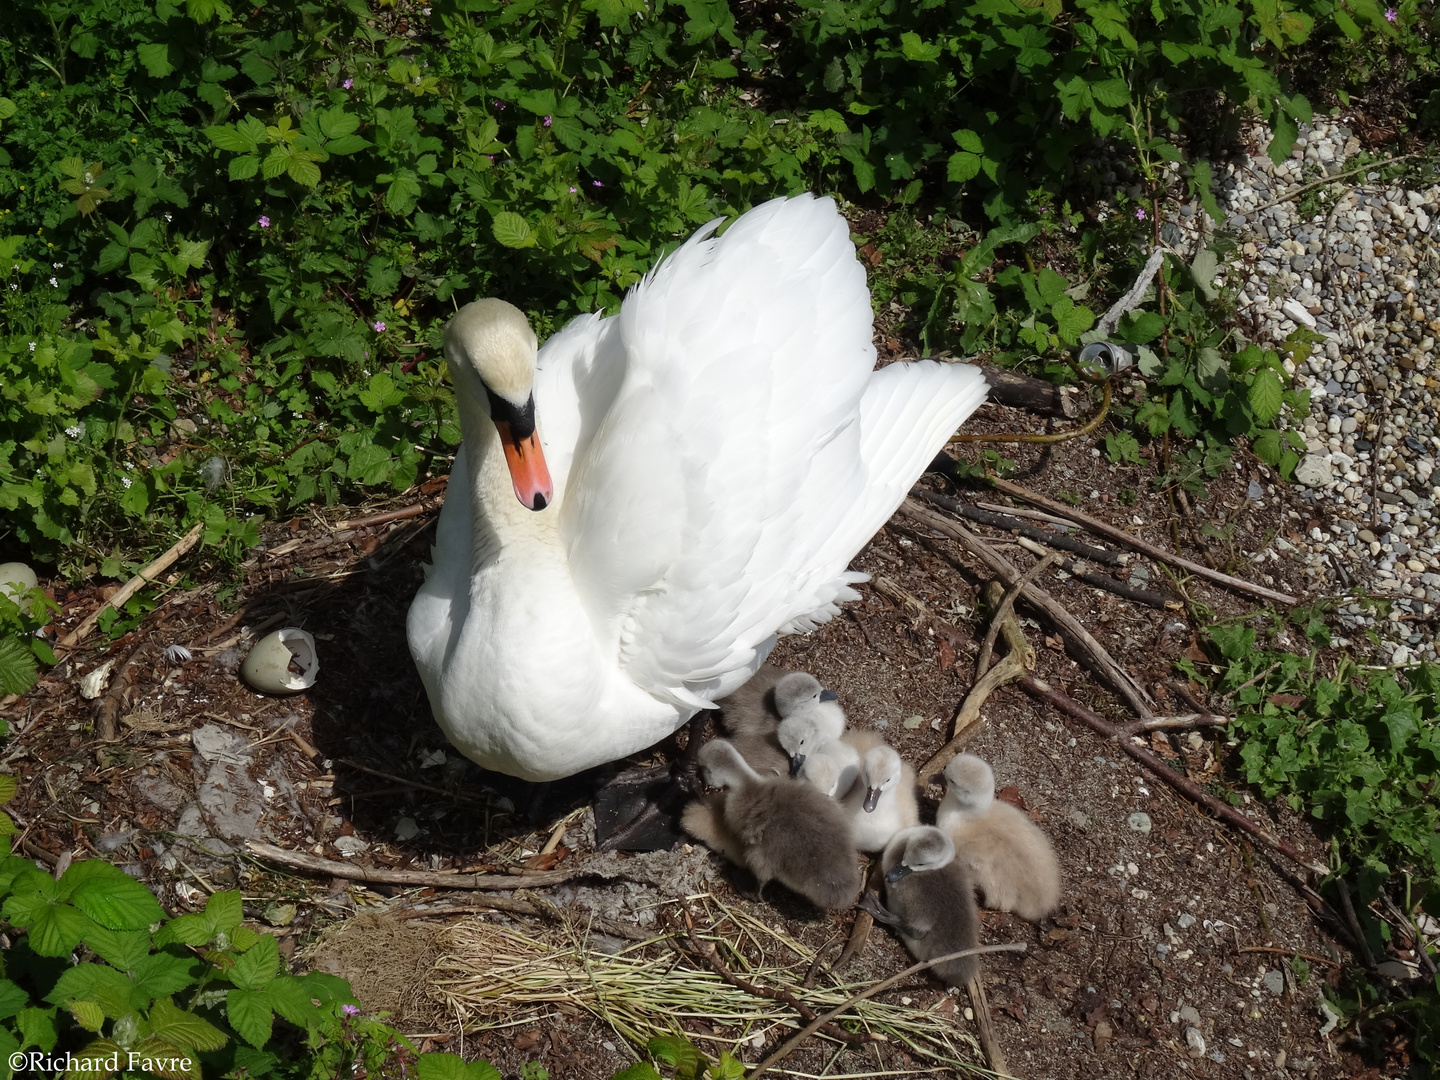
1002	94
1357	750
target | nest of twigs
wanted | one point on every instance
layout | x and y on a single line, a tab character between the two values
493	976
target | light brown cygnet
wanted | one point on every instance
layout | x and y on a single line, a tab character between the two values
1012	860
930	900
782	830
883	800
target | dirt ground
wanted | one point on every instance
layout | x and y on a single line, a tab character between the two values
1169	955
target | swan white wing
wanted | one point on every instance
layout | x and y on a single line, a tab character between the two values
728	483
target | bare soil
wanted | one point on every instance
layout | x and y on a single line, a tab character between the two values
1169	921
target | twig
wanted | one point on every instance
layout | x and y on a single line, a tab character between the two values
1251	681
1109	584
1349	908
413	510
1003	611
1102	528
882	649
110	708
1173	723
1076	635
706	951
1069	706
985	1026
419	785
134	585
859	935
1329	180
1015	525
1023	512
1108	321
788	1047
415	878
1291	952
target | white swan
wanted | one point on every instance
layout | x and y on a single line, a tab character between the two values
713	457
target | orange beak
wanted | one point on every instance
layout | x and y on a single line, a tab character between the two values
527	467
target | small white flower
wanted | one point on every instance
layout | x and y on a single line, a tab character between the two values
54	284
169	216
125	482
14	287
75	431
57	266
32	344
176	654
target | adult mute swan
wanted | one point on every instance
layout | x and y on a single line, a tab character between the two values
636	513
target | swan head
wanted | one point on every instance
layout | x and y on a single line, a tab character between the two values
492	341
880	770
832	768
970	784
916	850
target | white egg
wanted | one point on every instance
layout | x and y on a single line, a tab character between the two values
282	662
16	579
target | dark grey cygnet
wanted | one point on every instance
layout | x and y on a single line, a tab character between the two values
930	900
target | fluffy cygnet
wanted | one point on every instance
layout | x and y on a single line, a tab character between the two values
782	830
929	900
883	800
1012	860
832	767
751	709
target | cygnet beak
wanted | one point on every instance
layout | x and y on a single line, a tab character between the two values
521	442
872	799
797	762
897	871
828	695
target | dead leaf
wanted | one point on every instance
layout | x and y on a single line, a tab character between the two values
548	860
872	255
947	655
1056	642
1196	654
528	1041
1291	700
1011	794
1057	935
1103	1035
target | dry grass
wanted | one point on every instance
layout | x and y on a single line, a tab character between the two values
492	976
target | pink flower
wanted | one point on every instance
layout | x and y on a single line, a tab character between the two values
499	106
348	83
547	121
572	190
350	1010
378	326
1391	14
596	183
1139	214
264	222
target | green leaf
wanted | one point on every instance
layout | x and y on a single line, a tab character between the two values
1138	327
404	189
231	137
12	999
680	1054
1205	188
93	1063
110	896
305	173
184	1028
36	1027
641	1070
963	166
106	987
438	1066
1266	395
224	910
1071	319
914	48
186	930
163	973
1283	140
156	59
258	966
288	997
122	949
88	1015
18	672
55	929
1122	446
510	229
250	1014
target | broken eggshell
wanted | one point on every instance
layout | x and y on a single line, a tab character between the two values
282	663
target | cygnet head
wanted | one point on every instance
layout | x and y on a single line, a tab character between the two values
799	690
832	768
801	733
925	848
723	766
970	784
880	771
491	342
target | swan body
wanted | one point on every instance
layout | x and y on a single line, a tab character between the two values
1011	859
638	510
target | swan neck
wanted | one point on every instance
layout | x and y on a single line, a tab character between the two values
492	494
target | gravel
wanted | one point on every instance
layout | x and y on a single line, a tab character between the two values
1363	272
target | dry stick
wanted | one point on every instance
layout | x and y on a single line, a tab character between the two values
413	510
1101	528
1173	723
415	878
1064	703
1003	611
985	1026
134	585
1104	581
1015	525
114	698
1293	192
706	951
1077	635
416	784
1291	952
788	1047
